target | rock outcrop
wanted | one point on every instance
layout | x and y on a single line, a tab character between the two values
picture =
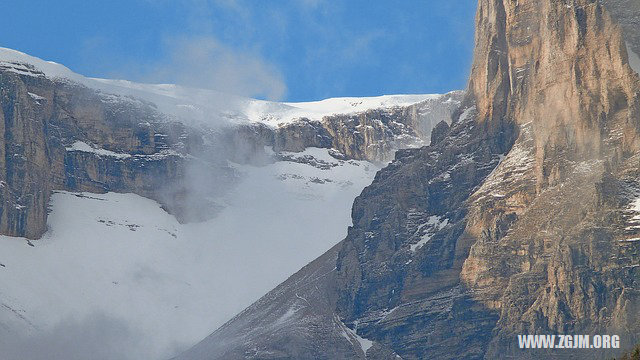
374	135
59	135
521	218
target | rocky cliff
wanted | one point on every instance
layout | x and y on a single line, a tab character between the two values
59	134
551	250
521	218
374	134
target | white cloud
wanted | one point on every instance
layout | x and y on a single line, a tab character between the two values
205	62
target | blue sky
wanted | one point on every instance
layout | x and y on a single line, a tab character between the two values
293	50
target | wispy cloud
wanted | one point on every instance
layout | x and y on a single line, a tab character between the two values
204	58
205	62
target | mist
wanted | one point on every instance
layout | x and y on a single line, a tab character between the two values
206	63
97	337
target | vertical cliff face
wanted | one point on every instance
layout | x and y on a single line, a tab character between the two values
58	135
562	67
377	134
551	253
374	135
24	157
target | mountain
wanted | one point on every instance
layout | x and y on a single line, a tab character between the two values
166	129
520	217
160	211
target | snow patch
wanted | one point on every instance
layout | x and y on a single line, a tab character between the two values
286	316
434	224
36	97
387	313
351	335
635	207
84	147
634	59
282	113
632	240
633	217
466	114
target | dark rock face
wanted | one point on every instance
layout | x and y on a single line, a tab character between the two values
439	132
522	219
398	269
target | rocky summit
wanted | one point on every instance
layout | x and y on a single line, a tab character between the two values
521	217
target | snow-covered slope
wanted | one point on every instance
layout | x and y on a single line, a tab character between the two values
199	105
121	257
280	113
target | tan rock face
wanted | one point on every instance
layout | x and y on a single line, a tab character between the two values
563	67
549	220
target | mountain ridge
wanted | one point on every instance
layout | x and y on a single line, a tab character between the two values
165	149
236	107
